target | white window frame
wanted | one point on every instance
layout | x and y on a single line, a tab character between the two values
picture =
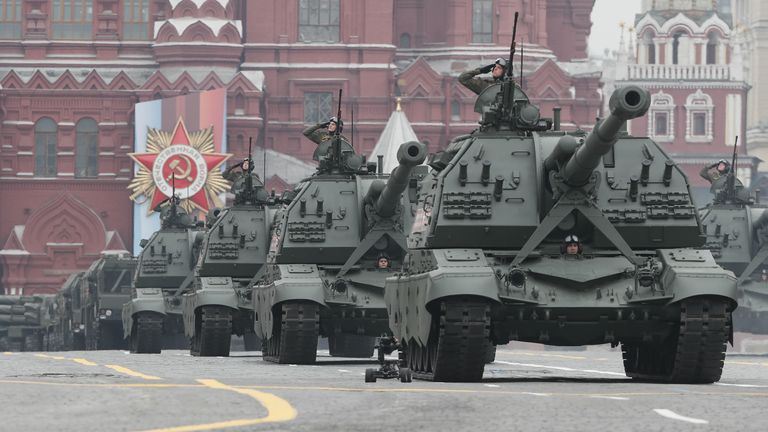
662	102
699	102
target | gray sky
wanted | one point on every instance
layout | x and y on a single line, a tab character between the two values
606	17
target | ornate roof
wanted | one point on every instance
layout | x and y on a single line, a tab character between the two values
397	131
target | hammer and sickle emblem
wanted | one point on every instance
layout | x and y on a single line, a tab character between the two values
179	171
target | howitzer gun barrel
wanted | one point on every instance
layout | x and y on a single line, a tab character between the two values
626	103
409	155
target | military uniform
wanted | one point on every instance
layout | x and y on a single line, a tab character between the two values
710	173
320	136
477	85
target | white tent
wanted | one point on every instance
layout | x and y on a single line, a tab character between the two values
397	131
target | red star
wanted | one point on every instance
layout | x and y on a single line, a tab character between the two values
181	137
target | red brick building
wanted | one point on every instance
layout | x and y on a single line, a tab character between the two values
72	70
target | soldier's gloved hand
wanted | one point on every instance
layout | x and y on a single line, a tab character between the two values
325	125
487	68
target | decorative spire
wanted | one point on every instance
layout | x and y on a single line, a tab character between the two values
622	24
398	108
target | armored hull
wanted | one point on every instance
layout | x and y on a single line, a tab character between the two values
232	252
487	263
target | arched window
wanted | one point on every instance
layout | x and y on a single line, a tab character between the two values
661	126
405	40
239	104
676	47
455	111
87	148
651	46
72	19
699	107
712	43
45	147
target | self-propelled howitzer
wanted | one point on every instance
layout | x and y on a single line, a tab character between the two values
231	253
487	262
737	235
324	275
152	319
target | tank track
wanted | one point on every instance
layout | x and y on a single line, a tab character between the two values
456	350
490	353
350	345
147	334
294	337
693	355
213	337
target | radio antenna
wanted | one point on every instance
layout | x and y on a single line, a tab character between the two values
521	63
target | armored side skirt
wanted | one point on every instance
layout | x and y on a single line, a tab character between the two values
354	305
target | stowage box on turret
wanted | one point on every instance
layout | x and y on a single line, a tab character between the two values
332	249
487	261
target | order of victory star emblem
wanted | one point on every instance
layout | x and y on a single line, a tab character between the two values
180	160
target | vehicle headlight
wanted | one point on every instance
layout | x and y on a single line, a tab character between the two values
109	312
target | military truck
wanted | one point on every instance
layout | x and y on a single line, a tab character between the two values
736	229
232	251
487	265
323	277
152	319
26	322
67	322
107	287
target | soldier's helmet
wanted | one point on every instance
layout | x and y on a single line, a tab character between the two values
569	240
723	166
339	123
501	62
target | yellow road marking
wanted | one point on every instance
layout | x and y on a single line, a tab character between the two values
132	373
746	363
50	357
8	353
278	410
83	361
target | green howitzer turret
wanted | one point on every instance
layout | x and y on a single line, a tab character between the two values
626	103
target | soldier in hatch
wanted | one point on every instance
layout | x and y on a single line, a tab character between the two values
571	245
238	180
714	171
324	138
477	85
